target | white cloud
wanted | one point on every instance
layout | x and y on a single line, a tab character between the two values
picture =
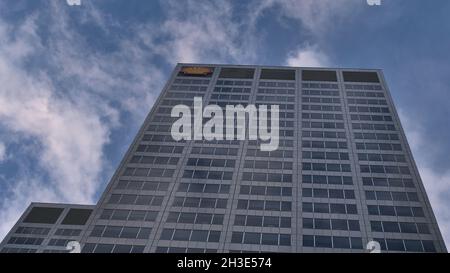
317	16
65	108
307	57
73	2
71	135
206	33
65	105
437	184
2	151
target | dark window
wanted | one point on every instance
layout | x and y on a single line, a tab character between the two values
308	240
391	227
318	75
395	244
77	217
252	238
237	73
278	74
269	239
42	215
323	241
341	242
360	76
413	245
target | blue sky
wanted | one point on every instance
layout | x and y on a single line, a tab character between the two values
77	81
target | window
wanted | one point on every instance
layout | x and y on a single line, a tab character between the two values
269	239
166	234
322	224
341	242
252	238
199	235
390	227
360	77
112	232
323	241
255	221
129	232
408	227
214	236
181	235
272	221
77	217
285	239
43	215
278	74
104	248
308	240
236	237
413	245
395	245
376	226
319	75
237	73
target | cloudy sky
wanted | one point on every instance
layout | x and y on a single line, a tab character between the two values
77	81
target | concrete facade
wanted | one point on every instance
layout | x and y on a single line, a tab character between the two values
342	176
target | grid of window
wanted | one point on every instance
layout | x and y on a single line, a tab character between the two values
388	182
17	250
384	169
112	248
161	160
332	242
264	205
329	167
267	177
327	179
194	235
406	245
32	230
148	172
59	242
262	221
67	232
392	195
334	208
129	215
209	162
25	241
399	227
255	238
265	190
204	188
141	185
163	249
197	202
386	210
328	193
121	232
331	224
195	218
381	157
213	175
134	199
323	134
351	154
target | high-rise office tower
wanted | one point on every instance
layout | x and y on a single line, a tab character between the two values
343	174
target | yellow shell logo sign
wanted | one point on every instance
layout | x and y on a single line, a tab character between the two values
195	70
